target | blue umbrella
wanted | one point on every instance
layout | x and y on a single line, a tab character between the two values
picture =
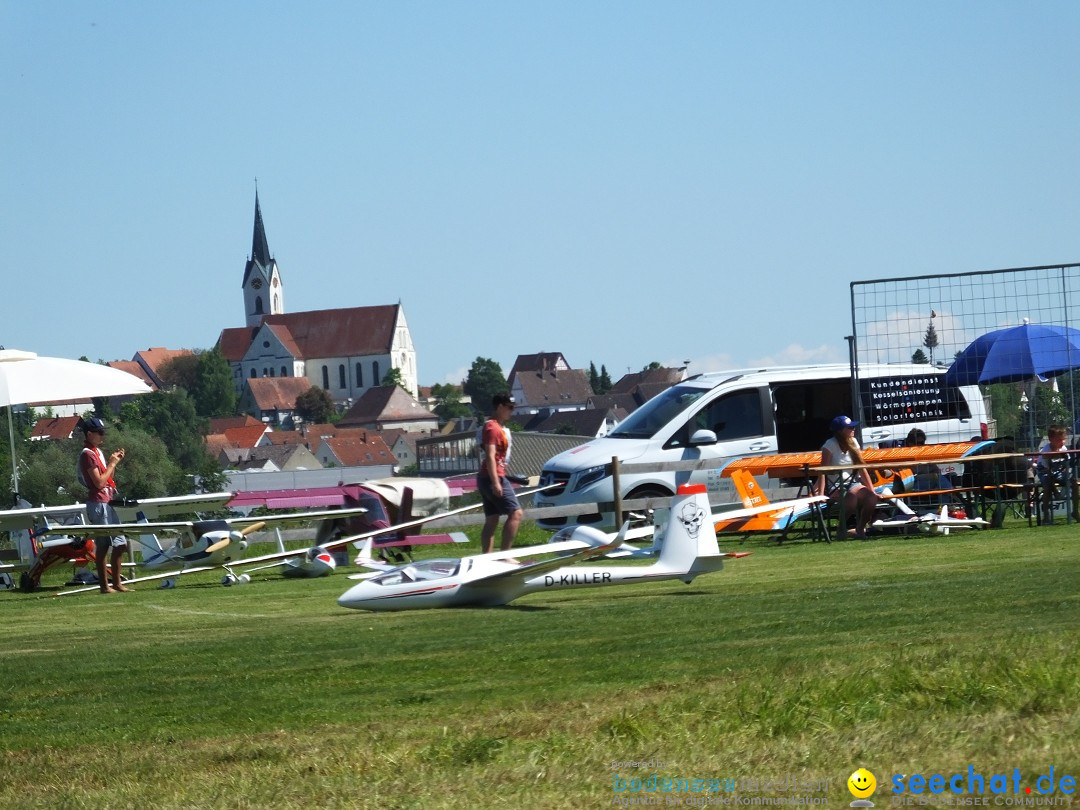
1023	352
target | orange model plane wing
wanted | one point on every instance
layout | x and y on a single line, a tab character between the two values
794	465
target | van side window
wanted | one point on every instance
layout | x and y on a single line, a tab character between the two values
735	416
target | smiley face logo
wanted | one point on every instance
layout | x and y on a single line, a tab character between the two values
862	784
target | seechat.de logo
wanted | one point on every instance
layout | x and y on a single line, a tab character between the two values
862	785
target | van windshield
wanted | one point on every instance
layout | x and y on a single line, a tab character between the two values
657	412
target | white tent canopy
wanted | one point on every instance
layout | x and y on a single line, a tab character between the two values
27	378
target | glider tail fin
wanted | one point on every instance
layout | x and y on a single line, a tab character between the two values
690	538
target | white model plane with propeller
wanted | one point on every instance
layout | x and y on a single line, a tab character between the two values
44	536
201	545
216	546
686	548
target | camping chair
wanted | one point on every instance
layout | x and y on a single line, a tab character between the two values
1056	488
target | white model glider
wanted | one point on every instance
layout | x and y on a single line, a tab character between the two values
687	549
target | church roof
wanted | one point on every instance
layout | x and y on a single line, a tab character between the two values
351	332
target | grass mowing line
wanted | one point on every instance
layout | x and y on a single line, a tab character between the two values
217	613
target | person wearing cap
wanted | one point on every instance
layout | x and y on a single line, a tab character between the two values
854	489
96	474
495	489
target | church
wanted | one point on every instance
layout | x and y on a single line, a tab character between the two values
345	351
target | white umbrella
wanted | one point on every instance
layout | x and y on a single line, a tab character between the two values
25	377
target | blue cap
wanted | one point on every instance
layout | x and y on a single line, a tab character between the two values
841	422
93	425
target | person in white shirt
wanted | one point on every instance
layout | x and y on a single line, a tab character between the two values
853	488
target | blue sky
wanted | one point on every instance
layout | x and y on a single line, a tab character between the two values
619	181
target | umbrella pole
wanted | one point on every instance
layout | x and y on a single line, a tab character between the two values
14	468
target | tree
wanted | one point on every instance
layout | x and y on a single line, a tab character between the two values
47	472
652	366
448	404
393	377
485	380
930	340
148	471
213	391
172	418
180	371
605	381
601	383
919	357
315	405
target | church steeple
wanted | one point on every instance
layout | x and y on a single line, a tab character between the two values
263	291
260	250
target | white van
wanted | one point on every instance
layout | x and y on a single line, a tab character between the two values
734	414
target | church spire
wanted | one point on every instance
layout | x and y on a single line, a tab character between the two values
264	292
260	250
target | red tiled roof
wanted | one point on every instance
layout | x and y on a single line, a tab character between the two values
234	342
286	338
277	393
155	358
352	452
56	427
244	436
222	423
131	367
216	443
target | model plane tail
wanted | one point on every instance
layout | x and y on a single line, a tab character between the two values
748	490
689	535
147	544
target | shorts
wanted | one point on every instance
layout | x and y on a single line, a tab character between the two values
99	513
507	504
840	488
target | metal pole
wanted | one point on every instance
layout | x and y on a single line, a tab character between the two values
616	485
14	467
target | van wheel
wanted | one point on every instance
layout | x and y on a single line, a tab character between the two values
649	491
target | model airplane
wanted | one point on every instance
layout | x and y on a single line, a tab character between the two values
46	535
202	545
317	564
939	522
687	548
389	502
759	513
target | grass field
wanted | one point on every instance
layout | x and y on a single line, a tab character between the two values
806	660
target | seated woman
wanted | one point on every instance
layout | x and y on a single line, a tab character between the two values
853	488
928	477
